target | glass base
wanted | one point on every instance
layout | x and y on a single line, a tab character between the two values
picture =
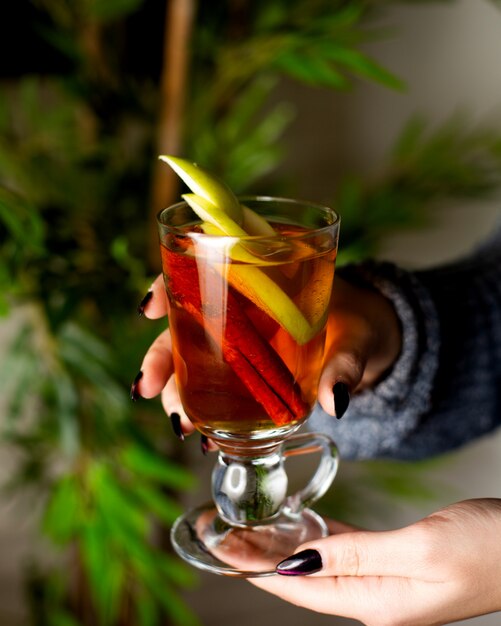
206	541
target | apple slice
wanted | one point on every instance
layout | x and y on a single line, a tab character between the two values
222	214
223	225
204	184
257	286
233	247
255	224
213	189
207	211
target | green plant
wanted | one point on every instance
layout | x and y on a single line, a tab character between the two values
77	151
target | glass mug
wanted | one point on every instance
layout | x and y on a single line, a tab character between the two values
247	319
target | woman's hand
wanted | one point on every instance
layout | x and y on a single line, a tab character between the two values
156	375
441	569
363	342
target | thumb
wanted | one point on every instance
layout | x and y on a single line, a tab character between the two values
349	344
363	342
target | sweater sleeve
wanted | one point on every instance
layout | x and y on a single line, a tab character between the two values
445	388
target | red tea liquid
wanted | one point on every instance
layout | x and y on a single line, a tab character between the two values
238	371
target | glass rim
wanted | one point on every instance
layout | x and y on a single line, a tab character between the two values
261	198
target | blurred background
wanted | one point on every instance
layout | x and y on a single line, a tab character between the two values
390	111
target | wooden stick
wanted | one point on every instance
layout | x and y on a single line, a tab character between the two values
178	27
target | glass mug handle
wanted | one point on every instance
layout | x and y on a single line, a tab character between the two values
308	443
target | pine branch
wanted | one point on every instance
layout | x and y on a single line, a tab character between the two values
427	168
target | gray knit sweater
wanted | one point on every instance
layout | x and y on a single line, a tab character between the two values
445	388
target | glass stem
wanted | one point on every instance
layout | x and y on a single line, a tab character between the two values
249	488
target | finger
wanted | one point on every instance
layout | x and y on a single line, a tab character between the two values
171	403
349	345
344	596
155	303
157	366
317	594
394	553
212	446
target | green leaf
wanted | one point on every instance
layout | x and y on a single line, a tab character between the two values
21	220
310	69
105	571
108	10
153	565
150	464
346	17
361	65
59	617
63	515
88	358
115	502
20	370
409	139
241	117
147	562
87	342
133	541
147	613
66	397
260	153
270	16
158	503
176	570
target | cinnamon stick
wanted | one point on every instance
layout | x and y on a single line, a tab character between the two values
258	366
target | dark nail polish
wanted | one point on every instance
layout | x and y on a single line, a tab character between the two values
341	399
134	393
175	420
300	564
204	444
144	302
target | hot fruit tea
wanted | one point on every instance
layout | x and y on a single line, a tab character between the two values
249	283
248	326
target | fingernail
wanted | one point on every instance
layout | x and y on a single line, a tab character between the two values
341	399
175	420
144	302
134	393
300	564
204	444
